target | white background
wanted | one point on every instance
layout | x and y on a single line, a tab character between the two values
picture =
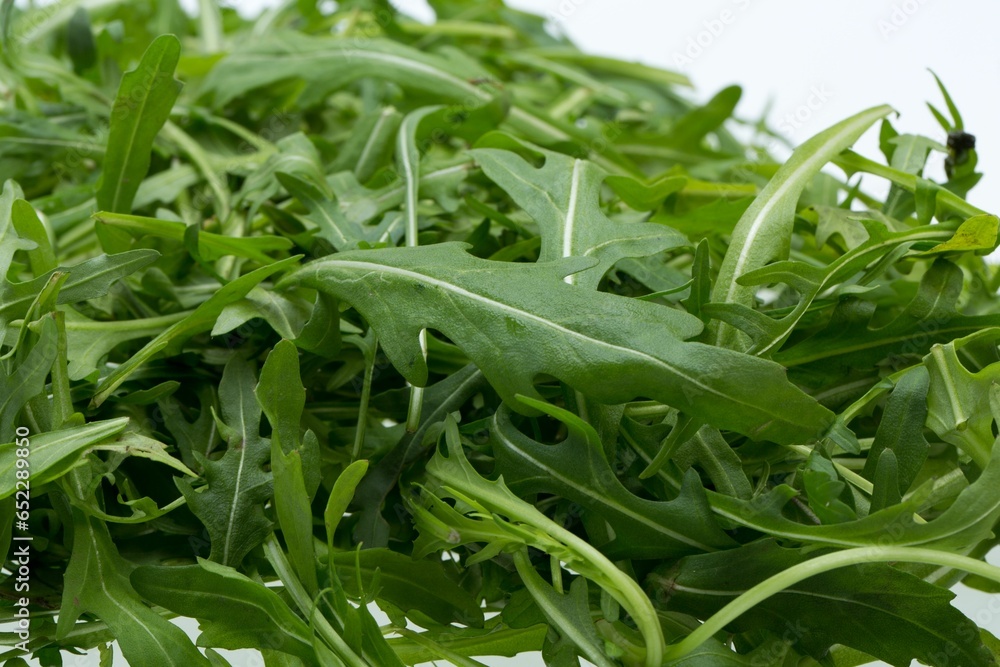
858	52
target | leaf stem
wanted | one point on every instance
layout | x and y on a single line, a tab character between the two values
304	602
408	159
819	565
366	392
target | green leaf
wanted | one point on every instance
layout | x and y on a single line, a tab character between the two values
11	240
958	402
25	379
55	452
810	281
487	501
89	341
424	585
330	64
144	636
371	145
87	280
825	490
690	129
211	246
234	611
296	156
25	220
440	400
956	116
562	196
914	618
569	613
930	317
968	520
902	429
143	104
231	507
281	395
293	507
642	196
977	233
534	324
334	227
763	233
577	470
340	498
710	451
495	641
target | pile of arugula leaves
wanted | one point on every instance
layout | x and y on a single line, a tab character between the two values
331	308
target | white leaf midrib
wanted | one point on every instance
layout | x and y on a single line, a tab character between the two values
569	220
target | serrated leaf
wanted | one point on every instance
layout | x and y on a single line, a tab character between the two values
231	507
930	317
409	584
87	280
440	400
562	196
958	401
968	520
535	326
144	636
576	470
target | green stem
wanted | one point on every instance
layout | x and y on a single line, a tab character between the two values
304	602
62	401
621	586
366	392
797	573
409	164
851	162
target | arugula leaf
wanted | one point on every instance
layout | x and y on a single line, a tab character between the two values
252	617
627	341
578	471
231	507
141	632
537	325
561	196
142	106
763	233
